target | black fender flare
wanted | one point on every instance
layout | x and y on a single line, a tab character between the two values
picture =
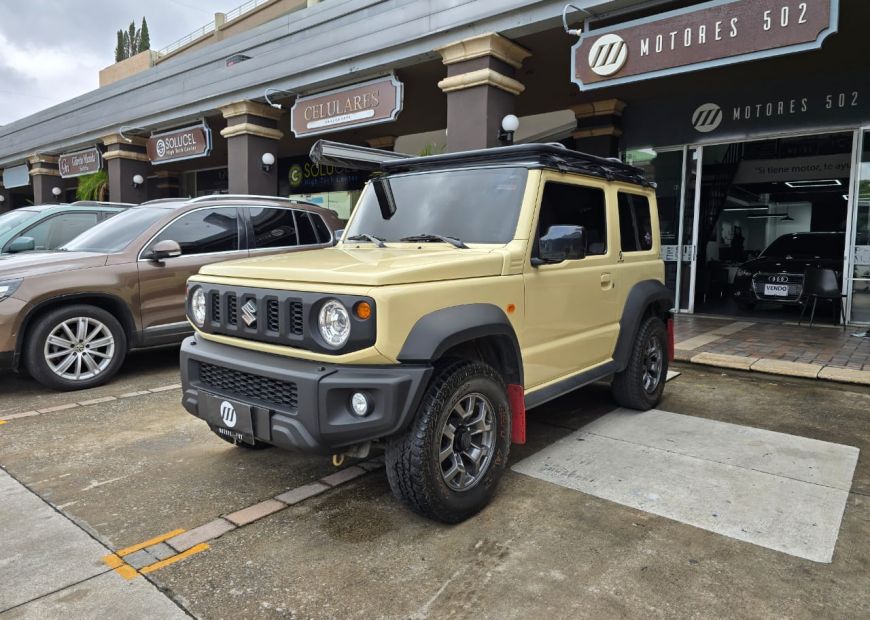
642	295
441	330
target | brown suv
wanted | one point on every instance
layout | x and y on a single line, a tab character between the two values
70	316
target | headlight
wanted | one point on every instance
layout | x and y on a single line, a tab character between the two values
197	306
334	323
8	287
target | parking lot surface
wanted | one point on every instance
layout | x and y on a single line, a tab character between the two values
128	467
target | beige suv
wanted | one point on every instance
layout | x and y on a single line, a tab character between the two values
466	289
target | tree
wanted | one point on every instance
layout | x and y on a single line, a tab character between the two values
132	40
120	47
144	38
93	186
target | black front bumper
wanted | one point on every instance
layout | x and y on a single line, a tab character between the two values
299	404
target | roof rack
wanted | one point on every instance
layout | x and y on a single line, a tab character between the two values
218	197
97	203
157	201
330	153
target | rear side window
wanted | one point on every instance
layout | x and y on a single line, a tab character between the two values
273	228
323	232
575	205
204	231
307	236
56	230
635	224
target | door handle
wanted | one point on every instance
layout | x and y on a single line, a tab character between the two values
606	281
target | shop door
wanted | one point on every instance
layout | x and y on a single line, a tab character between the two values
858	260
688	235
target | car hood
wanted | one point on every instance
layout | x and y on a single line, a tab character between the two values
30	264
365	266
772	264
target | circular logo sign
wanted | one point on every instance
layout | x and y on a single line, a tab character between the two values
707	118
295	175
228	414
608	55
161	148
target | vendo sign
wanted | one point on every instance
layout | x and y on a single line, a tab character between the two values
179	144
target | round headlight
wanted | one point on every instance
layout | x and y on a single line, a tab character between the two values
197	307
334	323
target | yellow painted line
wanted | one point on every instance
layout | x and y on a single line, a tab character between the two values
127	572
113	561
148	543
2	422
175	558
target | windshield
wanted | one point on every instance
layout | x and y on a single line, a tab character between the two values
11	220
116	233
476	206
807	246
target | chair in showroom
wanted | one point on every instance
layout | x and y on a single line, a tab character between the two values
822	284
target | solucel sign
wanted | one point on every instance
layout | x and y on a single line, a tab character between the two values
179	144
707	35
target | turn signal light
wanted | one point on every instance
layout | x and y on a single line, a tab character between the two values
363	310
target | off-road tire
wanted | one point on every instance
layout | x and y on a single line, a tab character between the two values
34	348
628	385
412	461
257	445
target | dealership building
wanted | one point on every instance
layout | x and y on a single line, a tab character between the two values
750	115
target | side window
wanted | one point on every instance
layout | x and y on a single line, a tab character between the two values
273	228
635	225
204	231
307	236
323	233
54	231
575	205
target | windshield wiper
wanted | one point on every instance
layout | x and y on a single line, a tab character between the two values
370	238
456	243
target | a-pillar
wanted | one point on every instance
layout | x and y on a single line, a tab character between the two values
44	176
125	158
599	127
251	131
480	88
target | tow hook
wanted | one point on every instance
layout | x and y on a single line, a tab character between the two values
337	460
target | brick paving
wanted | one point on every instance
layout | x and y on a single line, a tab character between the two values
825	346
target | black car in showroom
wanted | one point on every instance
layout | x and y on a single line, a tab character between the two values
777	274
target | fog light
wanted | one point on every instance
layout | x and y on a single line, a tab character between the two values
360	404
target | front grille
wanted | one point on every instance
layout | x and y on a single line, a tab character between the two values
282	394
273	315
232	310
296	322
216	308
795	286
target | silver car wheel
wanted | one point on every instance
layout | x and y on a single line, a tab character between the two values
652	365
79	348
467	442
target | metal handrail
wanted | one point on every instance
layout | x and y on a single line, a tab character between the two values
229	16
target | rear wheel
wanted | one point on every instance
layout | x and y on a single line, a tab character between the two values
75	347
447	464
641	384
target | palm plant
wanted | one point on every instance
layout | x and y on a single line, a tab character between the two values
93	186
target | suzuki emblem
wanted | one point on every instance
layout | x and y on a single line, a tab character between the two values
249	312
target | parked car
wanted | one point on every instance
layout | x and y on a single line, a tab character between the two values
467	288
777	275
47	227
70	316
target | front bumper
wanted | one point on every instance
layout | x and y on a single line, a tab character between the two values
299	404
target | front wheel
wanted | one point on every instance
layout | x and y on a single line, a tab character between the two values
75	347
641	384
447	464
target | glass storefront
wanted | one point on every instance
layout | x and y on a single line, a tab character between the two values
860	289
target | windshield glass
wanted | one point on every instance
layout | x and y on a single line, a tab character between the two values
476	206
116	233
807	246
13	219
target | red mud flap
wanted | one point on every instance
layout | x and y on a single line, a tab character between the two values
671	339
517	399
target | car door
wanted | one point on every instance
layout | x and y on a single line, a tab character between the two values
571	320
206	235
284	229
60	228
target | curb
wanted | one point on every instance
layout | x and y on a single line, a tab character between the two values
836	374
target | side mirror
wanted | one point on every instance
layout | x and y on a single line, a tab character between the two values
22	244
337	235
165	249
562	243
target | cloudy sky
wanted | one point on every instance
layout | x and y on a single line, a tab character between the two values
53	50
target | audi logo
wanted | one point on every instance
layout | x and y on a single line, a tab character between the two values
778	279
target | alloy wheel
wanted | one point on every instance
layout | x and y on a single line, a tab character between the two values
79	348
467	442
652	365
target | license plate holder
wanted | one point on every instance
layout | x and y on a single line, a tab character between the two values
776	290
230	418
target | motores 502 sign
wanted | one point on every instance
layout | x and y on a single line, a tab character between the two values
370	103
707	35
179	144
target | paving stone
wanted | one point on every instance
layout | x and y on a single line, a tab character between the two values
139	559
209	531
790	369
294	496
59	408
255	512
345	475
720	360
845	375
97	401
161	551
